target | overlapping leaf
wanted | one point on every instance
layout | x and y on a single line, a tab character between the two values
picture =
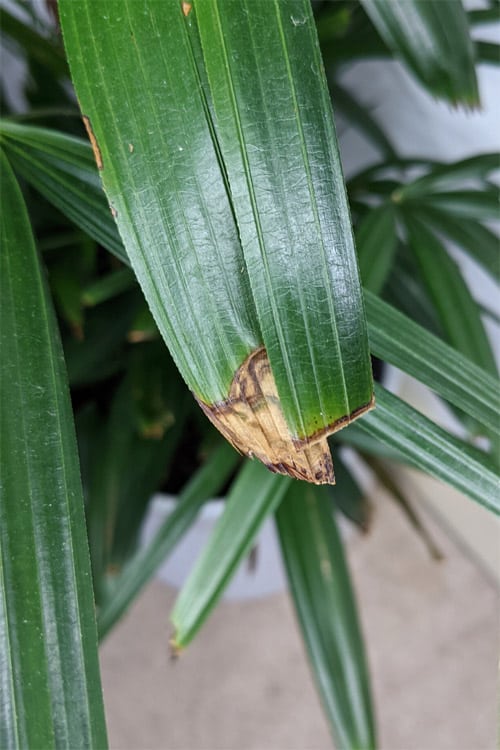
49	673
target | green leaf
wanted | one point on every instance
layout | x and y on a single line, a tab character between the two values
487	52
290	204
376	241
62	168
236	224
326	610
459	313
207	482
481	205
447	175
108	287
398	340
421	443
434	41
477	240
51	694
254	495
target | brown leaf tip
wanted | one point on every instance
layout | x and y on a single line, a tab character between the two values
93	142
252	420
186	8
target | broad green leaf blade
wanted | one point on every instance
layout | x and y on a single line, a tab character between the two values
325	605
173	188
459	313
376	242
137	82
51	693
421	443
402	342
62	168
253	496
433	39
275	129
206	483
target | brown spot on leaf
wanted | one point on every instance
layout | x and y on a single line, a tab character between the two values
252	420
186	8
114	212
93	142
131	148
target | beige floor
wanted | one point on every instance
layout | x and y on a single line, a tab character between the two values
432	632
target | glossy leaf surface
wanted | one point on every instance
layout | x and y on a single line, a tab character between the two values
253	496
325	605
188	182
402	342
421	443
290	205
51	693
63	170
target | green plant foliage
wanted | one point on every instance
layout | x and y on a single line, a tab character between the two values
225	204
222	304
230	542
51	694
324	601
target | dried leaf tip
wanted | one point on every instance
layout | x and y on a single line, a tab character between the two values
252	420
186	8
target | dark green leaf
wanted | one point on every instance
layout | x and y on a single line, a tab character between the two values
207	482
398	340
62	168
51	694
458	312
433	39
215	307
252	498
326	610
376	241
421	443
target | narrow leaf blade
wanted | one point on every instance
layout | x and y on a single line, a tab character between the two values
63	170
325	605
49	666
253	496
402	342
421	443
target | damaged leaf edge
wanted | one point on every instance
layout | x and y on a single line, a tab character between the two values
252	420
